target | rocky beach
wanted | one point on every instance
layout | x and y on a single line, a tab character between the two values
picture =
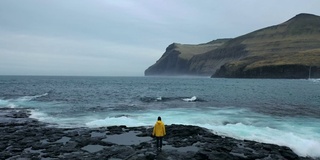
22	137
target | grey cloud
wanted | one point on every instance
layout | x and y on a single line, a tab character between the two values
104	37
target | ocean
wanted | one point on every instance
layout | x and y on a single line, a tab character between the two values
278	111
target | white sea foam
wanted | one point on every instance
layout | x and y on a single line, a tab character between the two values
192	99
7	104
36	114
303	138
302	134
3	103
300	144
29	98
11	105
24	101
61	122
315	80
110	121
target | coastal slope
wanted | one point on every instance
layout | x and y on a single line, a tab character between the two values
288	50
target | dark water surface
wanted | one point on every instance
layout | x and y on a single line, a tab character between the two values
267	110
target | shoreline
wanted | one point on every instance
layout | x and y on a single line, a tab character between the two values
25	137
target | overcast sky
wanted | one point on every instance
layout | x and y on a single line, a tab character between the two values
122	37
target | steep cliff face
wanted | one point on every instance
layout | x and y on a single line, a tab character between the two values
177	59
290	71
207	63
287	50
170	63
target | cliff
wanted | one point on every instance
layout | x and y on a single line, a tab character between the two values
178	59
287	50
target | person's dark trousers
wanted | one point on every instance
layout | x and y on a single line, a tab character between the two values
159	142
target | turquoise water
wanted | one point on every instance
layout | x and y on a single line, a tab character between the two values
278	111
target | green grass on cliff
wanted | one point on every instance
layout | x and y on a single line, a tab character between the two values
188	51
295	42
307	58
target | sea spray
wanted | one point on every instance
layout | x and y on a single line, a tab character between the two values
284	112
232	122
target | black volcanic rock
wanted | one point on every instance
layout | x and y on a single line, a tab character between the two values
36	140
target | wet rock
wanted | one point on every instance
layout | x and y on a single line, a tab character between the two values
69	147
18	114
150	155
116	129
25	138
287	153
39	145
72	134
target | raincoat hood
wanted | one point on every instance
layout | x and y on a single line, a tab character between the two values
159	129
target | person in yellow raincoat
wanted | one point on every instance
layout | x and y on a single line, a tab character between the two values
159	130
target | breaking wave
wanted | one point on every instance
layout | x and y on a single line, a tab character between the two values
315	80
166	99
117	120
20	101
29	98
231	122
192	99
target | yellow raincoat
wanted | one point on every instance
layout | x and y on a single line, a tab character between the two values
159	129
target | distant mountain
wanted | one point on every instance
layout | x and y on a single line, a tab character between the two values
287	50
